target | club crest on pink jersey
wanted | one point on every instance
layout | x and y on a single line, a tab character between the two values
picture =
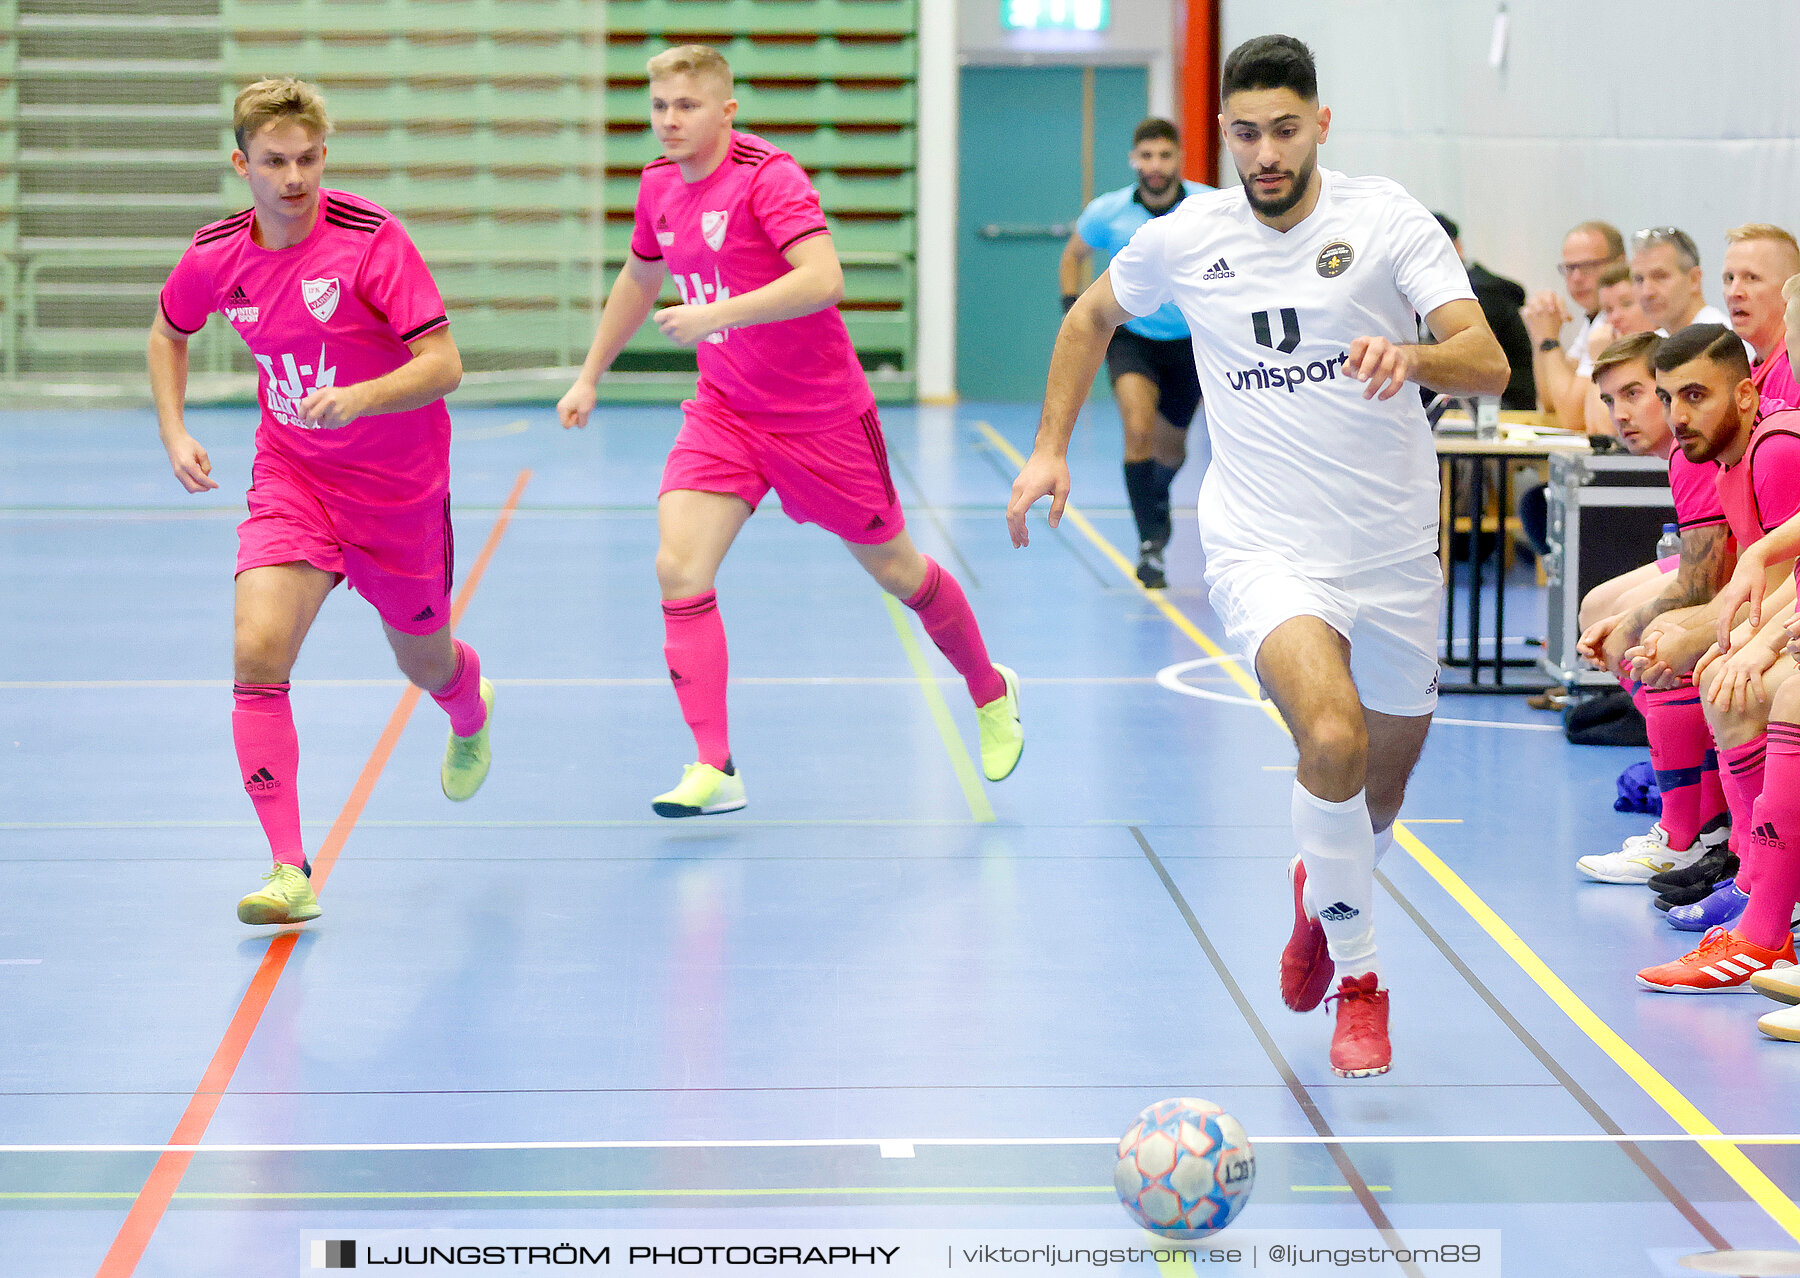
321	297
712	228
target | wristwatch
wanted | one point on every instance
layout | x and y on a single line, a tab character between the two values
1550	344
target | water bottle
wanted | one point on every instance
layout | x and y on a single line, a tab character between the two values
1669	544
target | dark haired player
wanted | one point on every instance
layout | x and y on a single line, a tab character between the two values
1150	358
1318	513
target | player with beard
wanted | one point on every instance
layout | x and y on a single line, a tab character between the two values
1318	513
1150	359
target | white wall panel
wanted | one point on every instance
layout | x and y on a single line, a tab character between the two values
1642	113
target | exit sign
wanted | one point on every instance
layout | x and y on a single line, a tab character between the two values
1055	15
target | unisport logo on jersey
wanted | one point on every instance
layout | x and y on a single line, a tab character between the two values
287	387
1288	377
697	292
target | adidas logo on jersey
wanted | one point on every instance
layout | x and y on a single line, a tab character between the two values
1339	913
664	236
237	307
1218	271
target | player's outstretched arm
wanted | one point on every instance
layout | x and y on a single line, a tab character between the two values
168	359
1466	359
1071	269
1749	582
1080	346
628	305
815	282
434	370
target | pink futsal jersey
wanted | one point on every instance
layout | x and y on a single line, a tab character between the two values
1695	487
725	235
1762	491
335	309
1775	384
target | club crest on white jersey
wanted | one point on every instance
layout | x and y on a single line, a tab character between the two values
321	297
712	227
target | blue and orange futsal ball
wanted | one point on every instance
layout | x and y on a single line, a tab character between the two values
1185	1168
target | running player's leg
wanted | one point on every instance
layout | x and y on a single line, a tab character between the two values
1137	395
1304	665
402	560
695	530
275	607
921	584
1395	743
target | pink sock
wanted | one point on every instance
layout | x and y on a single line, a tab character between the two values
1742	777
694	645
944	610
1712	791
268	751
1639	695
461	697
1679	743
1776	824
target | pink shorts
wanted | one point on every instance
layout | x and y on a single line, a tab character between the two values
836	478
399	558
1668	563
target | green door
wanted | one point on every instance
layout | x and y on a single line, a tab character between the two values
1021	188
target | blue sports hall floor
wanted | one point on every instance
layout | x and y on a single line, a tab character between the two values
885	995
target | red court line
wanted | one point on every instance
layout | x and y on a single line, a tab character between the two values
159	1188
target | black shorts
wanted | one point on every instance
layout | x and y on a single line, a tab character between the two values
1170	365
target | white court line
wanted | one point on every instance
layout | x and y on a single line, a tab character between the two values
491	432
20	962
896	1143
1170	677
56	685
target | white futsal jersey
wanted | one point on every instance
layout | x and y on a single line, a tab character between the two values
1302	465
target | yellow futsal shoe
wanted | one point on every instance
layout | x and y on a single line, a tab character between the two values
1002	738
703	791
286	897
466	759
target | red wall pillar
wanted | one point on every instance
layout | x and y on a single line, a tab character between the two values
1200	89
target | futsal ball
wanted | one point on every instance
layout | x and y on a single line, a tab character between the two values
1185	1168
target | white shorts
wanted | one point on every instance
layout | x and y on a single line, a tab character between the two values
1390	615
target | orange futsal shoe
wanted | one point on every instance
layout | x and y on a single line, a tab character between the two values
1359	1044
1722	963
1306	966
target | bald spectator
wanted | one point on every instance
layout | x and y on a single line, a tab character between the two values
1759	259
1563	372
1500	299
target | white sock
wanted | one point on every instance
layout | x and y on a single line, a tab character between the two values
1338	849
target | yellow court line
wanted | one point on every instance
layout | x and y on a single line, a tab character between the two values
1735	1163
976	797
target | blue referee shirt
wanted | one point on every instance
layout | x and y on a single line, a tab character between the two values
1107	225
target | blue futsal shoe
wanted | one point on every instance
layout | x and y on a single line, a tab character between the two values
1721	909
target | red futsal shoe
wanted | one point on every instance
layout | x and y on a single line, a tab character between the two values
1306	966
1359	1044
1722	963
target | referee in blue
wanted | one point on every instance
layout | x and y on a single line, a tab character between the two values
1150	360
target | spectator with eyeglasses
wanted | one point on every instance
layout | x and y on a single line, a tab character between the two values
1564	373
1665	270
